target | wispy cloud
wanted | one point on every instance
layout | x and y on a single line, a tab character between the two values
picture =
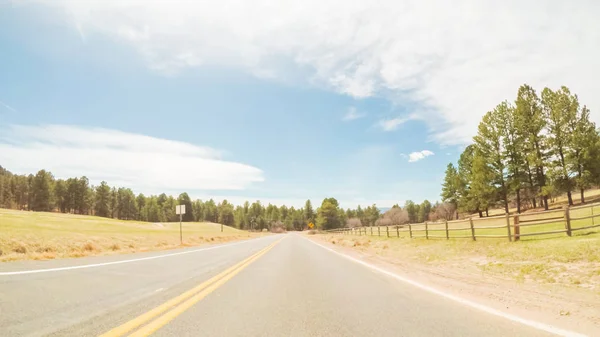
455	62
416	156
352	114
8	107
144	163
392	124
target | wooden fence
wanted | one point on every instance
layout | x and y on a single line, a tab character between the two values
511	227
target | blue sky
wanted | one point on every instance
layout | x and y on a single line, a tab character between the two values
166	99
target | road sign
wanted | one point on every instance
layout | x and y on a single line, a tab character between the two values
311	225
180	209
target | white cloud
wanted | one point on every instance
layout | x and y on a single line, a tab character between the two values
455	62
145	164
391	124
416	156
8	107
352	114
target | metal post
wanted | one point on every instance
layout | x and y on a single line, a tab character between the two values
180	231
508	227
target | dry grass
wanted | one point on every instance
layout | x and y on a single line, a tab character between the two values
483	227
571	261
40	235
554	258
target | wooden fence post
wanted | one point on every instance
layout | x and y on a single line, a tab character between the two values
426	231
387	231
472	228
593	215
508	227
568	220
410	230
517	228
397	231
447	232
378	231
371	230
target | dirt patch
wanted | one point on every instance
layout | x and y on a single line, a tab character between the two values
555	294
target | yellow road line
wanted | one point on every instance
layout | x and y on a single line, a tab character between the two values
138	321
158	323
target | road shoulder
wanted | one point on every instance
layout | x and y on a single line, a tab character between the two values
571	309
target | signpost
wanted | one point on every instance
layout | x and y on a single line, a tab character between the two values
180	209
311	225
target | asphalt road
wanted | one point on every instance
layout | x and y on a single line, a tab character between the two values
281	285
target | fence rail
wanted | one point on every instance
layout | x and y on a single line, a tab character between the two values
511	227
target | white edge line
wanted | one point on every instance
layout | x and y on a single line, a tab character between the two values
481	307
94	265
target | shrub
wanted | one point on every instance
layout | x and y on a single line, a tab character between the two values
20	249
89	246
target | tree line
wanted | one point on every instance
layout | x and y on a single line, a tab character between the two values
42	192
526	153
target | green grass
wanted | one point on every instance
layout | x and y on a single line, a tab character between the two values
42	235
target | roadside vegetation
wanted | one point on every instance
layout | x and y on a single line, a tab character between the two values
540	152
526	154
28	235
573	262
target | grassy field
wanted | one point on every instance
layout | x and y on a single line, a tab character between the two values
41	235
494	228
570	261
551	258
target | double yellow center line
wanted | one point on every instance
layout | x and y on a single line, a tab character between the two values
166	312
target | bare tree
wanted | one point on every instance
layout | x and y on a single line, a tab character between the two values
353	222
445	211
277	227
396	216
383	222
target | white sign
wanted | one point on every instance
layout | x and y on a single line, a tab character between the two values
180	209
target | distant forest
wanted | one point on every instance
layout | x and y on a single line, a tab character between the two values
42	192
526	153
